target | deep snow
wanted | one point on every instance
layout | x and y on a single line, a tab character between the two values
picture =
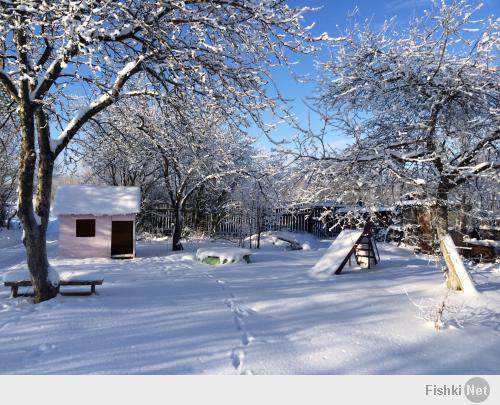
166	313
225	254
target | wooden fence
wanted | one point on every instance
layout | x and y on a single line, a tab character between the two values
238	224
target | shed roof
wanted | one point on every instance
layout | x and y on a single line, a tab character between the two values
97	200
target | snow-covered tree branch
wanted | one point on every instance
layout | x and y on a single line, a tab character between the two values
188	143
64	62
419	104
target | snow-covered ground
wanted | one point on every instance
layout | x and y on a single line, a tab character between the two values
166	313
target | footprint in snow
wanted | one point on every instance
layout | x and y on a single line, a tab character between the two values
46	348
237	358
247	339
240	324
239	310
244	311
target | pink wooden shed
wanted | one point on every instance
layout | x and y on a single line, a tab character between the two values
97	221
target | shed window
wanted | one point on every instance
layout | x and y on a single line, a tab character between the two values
85	228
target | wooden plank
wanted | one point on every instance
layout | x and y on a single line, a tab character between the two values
25	283
78	282
14	286
342	265
22	283
338	254
452	280
458	277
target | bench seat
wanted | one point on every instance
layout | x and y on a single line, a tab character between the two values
14	286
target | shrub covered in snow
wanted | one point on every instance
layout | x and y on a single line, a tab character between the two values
223	255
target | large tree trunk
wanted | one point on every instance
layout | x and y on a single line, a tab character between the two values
440	218
35	223
178	226
440	213
465	209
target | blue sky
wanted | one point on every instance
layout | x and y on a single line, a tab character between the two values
333	13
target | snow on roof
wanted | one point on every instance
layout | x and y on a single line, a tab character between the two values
96	200
352	208
338	206
314	204
362	209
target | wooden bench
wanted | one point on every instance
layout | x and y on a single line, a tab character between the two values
14	286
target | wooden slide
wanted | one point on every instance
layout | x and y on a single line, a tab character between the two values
339	252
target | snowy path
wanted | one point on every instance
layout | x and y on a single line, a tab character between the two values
165	313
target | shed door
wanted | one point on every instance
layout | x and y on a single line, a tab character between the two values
122	238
